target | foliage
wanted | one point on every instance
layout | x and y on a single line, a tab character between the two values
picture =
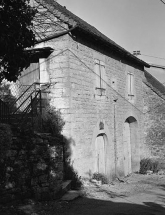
5	139
6	95
16	34
149	164
32	161
71	174
52	120
5	144
100	177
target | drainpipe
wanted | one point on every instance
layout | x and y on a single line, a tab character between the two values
115	142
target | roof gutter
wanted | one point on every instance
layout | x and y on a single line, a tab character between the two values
157	66
56	35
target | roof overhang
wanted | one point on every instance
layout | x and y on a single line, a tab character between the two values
39	52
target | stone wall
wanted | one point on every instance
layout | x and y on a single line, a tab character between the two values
33	167
71	69
154	123
88	109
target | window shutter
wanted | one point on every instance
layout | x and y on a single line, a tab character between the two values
97	73
103	77
130	85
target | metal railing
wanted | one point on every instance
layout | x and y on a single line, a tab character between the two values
27	105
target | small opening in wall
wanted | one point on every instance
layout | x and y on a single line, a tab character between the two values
101	126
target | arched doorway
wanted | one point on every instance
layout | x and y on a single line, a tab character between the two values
100	154
131	156
102	148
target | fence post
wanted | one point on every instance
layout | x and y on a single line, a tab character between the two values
32	112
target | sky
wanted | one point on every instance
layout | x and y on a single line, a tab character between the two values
133	24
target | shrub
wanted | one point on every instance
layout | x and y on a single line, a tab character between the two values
149	164
5	144
100	177
5	139
52	121
71	174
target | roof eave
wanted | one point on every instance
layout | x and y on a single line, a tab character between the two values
117	47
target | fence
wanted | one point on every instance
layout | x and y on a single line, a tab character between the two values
27	105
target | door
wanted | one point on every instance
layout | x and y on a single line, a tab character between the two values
100	154
127	149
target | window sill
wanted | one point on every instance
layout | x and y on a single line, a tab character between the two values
100	92
97	97
131	99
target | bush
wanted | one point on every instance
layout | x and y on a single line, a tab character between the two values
100	177
71	174
5	139
149	164
5	144
51	121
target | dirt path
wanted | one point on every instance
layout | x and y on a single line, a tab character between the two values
128	186
134	195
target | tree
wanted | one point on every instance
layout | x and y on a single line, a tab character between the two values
16	34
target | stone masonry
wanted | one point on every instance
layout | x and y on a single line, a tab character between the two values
154	118
71	72
33	167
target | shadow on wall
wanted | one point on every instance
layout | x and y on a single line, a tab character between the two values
69	172
53	123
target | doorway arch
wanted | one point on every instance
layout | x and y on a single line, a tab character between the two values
102	129
131	157
100	154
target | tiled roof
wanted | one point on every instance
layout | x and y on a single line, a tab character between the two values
154	84
72	20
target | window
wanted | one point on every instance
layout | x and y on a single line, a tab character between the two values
100	77
130	82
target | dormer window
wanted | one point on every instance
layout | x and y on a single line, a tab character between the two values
100	77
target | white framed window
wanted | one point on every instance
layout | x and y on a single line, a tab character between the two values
130	86
100	74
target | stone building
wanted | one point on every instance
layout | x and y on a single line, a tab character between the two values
98	87
154	117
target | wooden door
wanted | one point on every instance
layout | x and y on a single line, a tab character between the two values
100	155
127	149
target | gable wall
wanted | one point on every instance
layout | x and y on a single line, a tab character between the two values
71	65
87	109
